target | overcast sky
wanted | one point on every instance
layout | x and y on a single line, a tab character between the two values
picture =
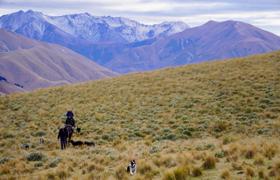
262	13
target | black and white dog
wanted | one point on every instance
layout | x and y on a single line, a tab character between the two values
131	168
76	143
81	143
89	143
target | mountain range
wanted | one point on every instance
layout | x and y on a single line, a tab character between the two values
34	64
98	38
124	45
85	27
38	50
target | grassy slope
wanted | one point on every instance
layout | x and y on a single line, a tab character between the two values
166	119
34	64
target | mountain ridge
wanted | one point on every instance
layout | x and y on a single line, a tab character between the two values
211	41
113	42
86	26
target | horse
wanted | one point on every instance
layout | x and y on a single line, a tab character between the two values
69	129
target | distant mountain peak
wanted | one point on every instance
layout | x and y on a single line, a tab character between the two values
28	13
228	23
211	22
173	22
33	24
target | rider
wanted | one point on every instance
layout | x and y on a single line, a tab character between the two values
70	119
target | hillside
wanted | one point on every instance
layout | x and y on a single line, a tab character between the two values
35	64
6	87
207	121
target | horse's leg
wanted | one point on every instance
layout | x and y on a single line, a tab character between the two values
70	135
69	138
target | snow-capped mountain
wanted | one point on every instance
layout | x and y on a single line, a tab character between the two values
96	29
124	45
90	28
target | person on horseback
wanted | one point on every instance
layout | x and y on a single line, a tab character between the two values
70	119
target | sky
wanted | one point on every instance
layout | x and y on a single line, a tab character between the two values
261	13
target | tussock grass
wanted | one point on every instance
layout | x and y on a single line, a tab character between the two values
225	174
250	172
196	172
167	120
209	163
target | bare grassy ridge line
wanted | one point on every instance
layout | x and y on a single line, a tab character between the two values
166	119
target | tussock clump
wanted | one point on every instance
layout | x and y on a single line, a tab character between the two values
237	167
232	158
62	174
50	176
225	174
272	173
144	168
39	133
221	126
259	160
35	156
55	162
249	152
209	163
275	171
147	169
95	167
196	172
227	140
169	176
179	173
250	172
5	170
270	150
121	173
4	160
38	164
7	135
261	174
220	154
232	149
167	162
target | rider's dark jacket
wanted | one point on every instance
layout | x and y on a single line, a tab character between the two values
70	121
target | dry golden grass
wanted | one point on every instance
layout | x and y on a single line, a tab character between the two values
187	122
209	163
225	174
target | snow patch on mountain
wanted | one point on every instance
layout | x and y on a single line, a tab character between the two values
88	27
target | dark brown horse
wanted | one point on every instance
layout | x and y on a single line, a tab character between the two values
69	129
